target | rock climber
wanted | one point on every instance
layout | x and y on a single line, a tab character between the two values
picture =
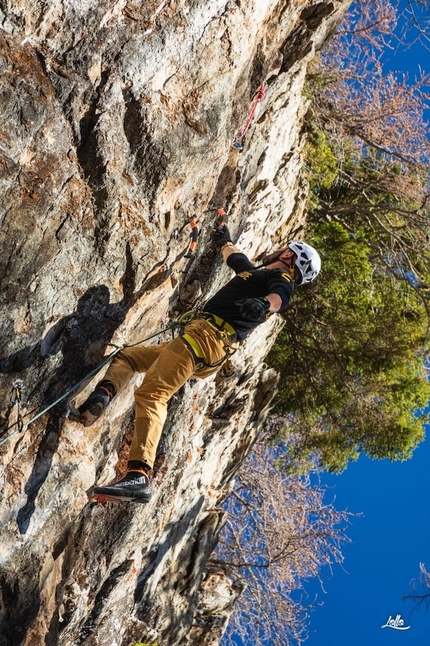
246	301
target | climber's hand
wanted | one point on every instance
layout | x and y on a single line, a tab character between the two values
253	309
220	236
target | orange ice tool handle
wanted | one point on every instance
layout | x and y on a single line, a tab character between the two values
194	235
224	217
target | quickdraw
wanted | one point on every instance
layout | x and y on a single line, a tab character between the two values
237	141
224	217
194	236
15	400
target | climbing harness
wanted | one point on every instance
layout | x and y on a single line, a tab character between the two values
237	141
225	331
220	325
214	321
16	395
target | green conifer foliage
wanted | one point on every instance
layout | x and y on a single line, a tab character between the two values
351	356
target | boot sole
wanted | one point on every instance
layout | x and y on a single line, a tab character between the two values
104	497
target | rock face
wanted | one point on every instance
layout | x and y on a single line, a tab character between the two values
117	123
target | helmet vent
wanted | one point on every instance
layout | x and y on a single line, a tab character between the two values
308	261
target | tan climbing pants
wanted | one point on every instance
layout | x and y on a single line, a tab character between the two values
167	366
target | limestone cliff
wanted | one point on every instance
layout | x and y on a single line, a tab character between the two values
117	122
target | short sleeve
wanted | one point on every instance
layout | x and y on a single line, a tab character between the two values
280	283
239	262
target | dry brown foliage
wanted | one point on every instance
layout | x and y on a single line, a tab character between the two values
376	124
355	96
280	532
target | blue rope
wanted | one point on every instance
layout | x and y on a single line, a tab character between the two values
22	426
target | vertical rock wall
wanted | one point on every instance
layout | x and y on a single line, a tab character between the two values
116	127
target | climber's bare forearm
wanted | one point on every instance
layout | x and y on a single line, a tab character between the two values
228	250
275	302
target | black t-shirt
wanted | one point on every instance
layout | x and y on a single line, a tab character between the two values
249	282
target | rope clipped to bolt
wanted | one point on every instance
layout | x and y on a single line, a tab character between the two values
237	142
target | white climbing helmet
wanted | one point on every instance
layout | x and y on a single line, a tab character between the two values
308	261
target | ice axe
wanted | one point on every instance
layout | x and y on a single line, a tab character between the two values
224	217
194	235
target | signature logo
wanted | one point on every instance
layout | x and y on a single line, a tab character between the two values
398	623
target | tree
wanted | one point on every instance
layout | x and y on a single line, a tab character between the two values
420	589
351	359
356	100
392	207
351	356
375	124
279	533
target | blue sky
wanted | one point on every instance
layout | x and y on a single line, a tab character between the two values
392	536
389	541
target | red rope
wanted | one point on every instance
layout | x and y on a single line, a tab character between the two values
260	95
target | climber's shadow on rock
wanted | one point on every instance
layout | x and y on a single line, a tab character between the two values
41	468
81	337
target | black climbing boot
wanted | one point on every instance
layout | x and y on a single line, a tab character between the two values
133	487
95	405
